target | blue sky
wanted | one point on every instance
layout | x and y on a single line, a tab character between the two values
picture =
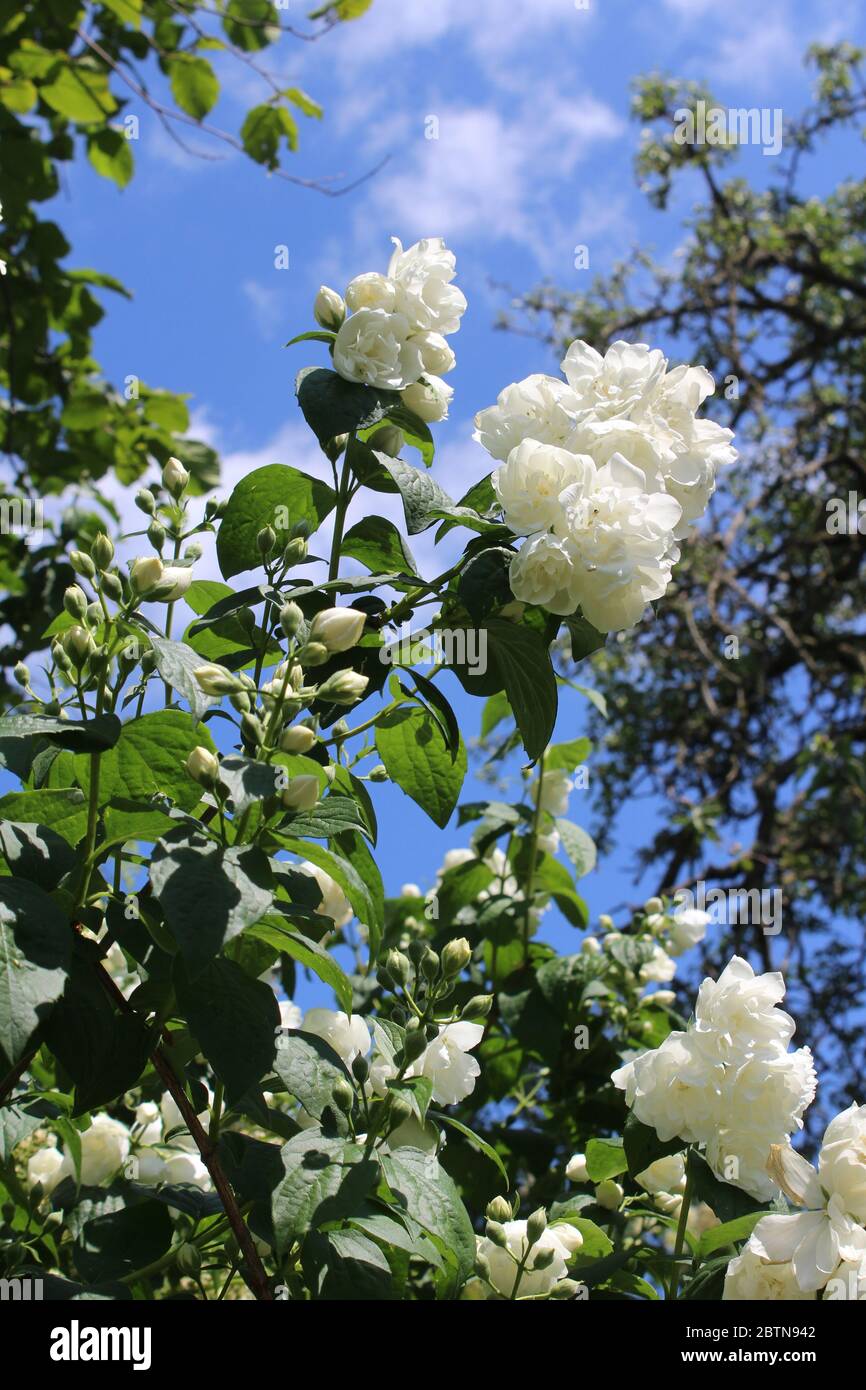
533	157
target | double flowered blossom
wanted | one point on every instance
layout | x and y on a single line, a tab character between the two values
395	335
792	1256
728	1082
602	473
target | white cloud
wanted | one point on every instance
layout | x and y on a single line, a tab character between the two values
267	310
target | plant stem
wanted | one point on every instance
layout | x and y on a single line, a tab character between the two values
339	520
533	860
681	1225
255	1275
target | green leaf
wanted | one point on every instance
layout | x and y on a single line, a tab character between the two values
115	1244
235	1020
35	953
364	905
567	756
325	1179
91	735
35	852
103	1052
79	93
585	639
176	662
110	153
332	817
194	85
378	545
208	894
596	1243
423	1189
333	406
263	129
475	1140
605	1158
643	1146
307	953
251	24
412	747
247	781
63	810
304	103
309	1068
718	1237
345	1266
579	846
150	758
424	501
276	496
523	660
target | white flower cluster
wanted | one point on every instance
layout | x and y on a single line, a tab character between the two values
728	1082
395	334
603	473
445	1061
536	1266
791	1257
157	1149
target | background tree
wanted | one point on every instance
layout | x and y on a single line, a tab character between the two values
755	746
75	80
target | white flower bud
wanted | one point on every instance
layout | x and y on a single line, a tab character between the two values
145	573
575	1169
203	767
343	688
609	1194
329	308
216	680
75	601
301	794
590	946
338	629
653	905
174	477
298	739
174	583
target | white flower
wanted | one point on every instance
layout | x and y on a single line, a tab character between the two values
104	1149
372	347
348	1036
446	1062
575	1168
842	1162
539	407
563	1240
148	1123
436	354
422	276
290	1015
609	1194
174	477
666	1174
371	291
742	1005
529	485
749	1278
338	629
429	398
729	1082
186	1168
544	571
47	1166
333	902
659	969
812	1241
149	1167
686	928
614	384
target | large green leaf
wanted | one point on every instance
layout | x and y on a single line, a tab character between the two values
276	496
176	663
423	1188
35	951
150	757
520	656
578	845
605	1158
306	952
235	1020
332	405
35	852
208	894
309	1069
325	1179
378	544
63	809
92	735
194	84
79	93
413	748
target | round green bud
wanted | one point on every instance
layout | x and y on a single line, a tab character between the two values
102	551
22	674
112	586
399	967
291	619
296	550
498	1210
156	534
314	654
496	1234
82	564
145	501
189	1258
456	955
360	1069
266	540
379	773
477	1008
536	1225
343	1096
